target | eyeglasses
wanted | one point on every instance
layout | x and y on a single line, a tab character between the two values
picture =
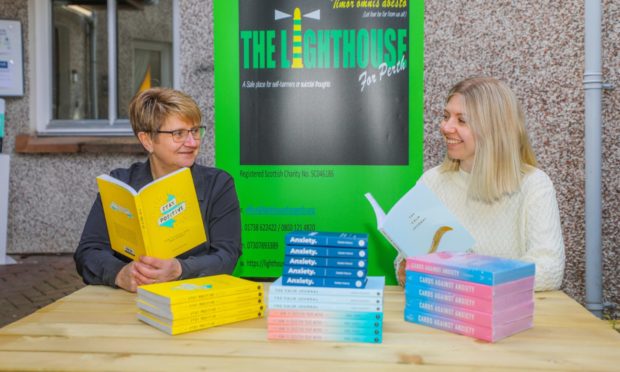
180	135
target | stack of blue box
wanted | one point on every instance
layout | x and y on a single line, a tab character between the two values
324	259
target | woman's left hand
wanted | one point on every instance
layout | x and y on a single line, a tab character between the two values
401	274
149	270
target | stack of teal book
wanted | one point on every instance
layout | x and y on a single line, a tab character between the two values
325	259
485	297
324	293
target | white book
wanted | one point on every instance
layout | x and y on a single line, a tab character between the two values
374	288
322	306
313	299
419	223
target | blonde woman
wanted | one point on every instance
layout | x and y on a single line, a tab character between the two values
489	180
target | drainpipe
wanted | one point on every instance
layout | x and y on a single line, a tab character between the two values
593	86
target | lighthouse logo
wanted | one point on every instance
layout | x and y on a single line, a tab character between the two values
297	32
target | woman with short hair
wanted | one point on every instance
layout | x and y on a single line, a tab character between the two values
168	124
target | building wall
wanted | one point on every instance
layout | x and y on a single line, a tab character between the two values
535	46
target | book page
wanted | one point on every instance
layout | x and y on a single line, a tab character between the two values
163	179
419	223
119	183
379	213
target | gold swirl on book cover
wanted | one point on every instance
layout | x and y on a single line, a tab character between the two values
437	237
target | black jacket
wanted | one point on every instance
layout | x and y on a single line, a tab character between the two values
97	263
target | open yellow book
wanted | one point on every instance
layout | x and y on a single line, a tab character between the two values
161	220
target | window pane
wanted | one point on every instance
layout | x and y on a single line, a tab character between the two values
80	60
144	48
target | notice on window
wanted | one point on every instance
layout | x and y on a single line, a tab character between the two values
11	64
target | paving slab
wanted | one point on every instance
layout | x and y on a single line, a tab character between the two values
34	282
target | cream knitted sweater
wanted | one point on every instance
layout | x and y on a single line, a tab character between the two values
524	225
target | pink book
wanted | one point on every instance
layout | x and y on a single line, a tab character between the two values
326	315
337	329
333	337
418	279
490	334
474	317
492	305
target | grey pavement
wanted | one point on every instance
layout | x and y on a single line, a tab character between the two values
34	282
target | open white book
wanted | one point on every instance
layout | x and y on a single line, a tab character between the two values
419	223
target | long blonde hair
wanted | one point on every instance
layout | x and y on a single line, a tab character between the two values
503	153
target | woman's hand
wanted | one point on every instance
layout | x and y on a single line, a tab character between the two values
149	270
401	274
125	278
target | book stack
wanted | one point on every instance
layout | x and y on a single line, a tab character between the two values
189	305
324	293
326	313
485	297
324	259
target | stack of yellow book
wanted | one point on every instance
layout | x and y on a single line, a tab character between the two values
189	305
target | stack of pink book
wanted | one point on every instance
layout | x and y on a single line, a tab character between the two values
485	297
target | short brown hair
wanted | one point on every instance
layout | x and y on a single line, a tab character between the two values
149	109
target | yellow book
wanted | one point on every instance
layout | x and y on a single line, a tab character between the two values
202	322
196	289
251	294
161	220
198	308
222	314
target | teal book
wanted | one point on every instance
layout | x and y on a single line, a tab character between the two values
419	223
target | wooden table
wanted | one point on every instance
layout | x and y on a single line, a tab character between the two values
96	328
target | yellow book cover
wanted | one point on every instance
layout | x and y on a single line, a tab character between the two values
196	289
207	306
196	323
161	220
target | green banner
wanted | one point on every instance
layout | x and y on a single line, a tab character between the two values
316	103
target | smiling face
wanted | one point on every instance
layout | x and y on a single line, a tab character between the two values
459	137
166	156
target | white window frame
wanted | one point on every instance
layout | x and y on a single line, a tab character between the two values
40	46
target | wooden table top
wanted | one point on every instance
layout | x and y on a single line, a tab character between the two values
96	329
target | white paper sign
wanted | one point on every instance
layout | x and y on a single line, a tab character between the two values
11	63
